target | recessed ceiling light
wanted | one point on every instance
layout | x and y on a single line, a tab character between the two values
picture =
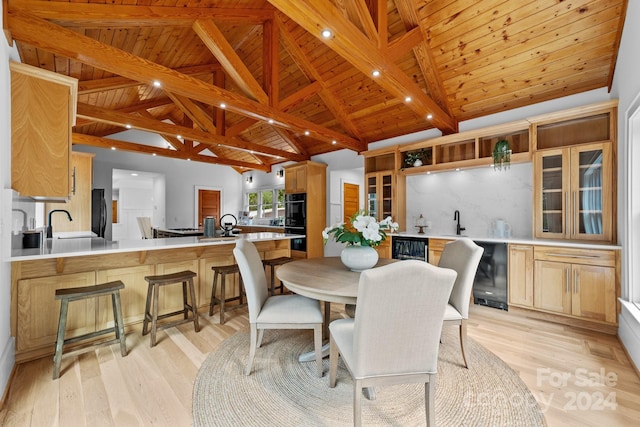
179	136
270	121
457	169
134	174
326	33
113	148
188	160
429	116
334	142
428	172
306	132
223	105
157	83
407	99
127	126
153	154
375	73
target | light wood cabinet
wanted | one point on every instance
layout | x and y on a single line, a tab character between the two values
521	275
384	248
573	195
34	310
43	106
467	149
310	178
574	173
385	188
79	204
295	179
38	310
436	246
576	282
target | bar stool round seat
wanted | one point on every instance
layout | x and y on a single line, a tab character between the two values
151	308
74	294
273	263
223	271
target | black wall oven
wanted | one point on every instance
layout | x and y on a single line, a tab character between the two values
295	210
295	219
299	243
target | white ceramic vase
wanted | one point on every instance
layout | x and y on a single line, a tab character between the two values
359	258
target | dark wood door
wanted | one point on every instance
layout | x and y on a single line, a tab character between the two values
208	205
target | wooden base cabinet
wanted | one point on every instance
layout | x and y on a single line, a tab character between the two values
576	282
521	275
35	312
436	246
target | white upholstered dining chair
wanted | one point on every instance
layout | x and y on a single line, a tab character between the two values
395	336
274	312
463	256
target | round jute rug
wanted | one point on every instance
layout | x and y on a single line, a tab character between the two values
284	392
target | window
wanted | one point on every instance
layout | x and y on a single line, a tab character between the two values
266	203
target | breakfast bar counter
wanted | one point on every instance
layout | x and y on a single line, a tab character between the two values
65	263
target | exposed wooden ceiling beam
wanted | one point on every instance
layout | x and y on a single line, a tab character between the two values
94	141
62	41
117	82
192	110
92	15
155	126
348	42
423	54
305	65
215	41
404	44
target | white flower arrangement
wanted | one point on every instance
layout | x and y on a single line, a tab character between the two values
364	230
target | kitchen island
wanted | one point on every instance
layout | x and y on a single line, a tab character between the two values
65	263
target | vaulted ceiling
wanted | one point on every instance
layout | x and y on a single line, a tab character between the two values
252	83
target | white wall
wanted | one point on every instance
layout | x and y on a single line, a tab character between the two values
482	195
7	358
181	179
626	87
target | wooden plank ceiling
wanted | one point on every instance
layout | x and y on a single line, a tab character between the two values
252	83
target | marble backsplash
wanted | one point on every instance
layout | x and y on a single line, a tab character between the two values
482	195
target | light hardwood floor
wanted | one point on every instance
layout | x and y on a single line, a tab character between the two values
564	368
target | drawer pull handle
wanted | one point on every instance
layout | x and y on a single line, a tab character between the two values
574	256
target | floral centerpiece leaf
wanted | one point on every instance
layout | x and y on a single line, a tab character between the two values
364	230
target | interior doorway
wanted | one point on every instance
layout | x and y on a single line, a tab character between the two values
350	200
208	205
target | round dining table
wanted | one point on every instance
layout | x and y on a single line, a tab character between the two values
324	279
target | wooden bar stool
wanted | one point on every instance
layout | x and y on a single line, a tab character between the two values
73	294
223	271
273	263
151	312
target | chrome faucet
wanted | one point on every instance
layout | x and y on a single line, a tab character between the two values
49	228
456	217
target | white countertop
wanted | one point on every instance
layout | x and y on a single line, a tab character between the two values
514	240
59	248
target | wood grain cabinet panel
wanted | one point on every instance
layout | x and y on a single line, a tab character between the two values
578	283
133	296
79	204
521	275
42	115
38	310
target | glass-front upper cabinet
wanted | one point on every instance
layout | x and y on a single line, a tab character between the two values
380	198
573	193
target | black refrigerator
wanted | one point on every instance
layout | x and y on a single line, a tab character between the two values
98	211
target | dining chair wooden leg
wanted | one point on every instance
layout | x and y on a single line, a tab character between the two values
429	398
333	362
317	339
463	342
253	337
357	403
